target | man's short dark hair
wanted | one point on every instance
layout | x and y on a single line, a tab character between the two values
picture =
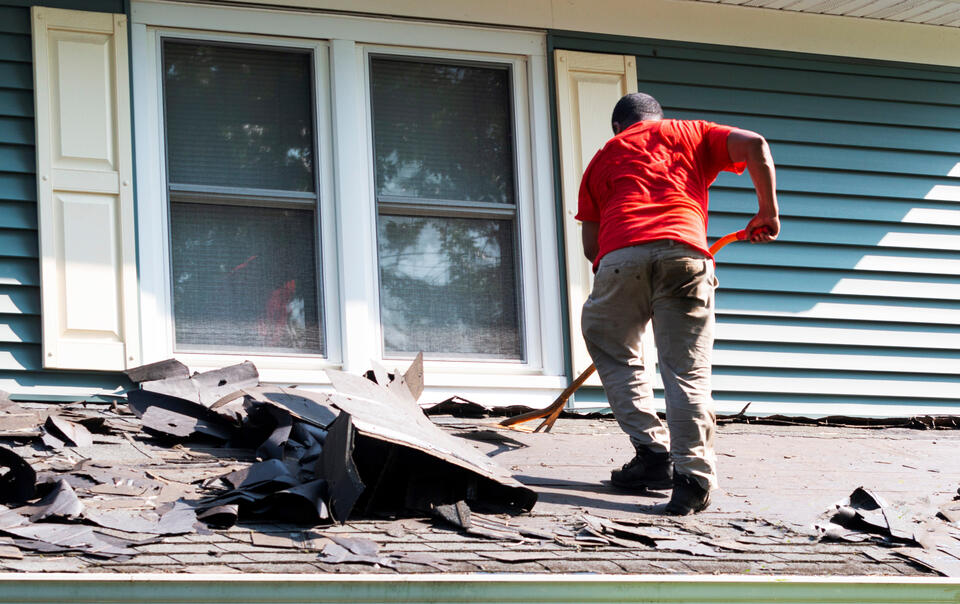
636	107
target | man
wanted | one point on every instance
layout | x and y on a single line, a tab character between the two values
643	204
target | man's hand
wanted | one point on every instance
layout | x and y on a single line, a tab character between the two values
763	229
752	149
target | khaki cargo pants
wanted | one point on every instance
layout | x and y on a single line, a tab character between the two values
672	284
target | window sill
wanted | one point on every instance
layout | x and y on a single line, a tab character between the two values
311	371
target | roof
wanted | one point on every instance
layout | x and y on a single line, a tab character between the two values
776	482
928	12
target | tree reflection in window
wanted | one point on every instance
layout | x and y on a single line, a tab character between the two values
442	131
448	286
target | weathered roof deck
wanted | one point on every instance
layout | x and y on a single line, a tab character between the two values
776	482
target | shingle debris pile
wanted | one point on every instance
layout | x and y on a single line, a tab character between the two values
364	449
931	542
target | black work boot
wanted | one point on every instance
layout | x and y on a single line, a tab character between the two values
646	471
688	496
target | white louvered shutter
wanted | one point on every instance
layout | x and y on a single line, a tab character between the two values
588	86
85	190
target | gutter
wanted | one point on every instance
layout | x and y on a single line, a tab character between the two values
174	588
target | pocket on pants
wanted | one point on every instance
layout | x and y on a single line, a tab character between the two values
687	278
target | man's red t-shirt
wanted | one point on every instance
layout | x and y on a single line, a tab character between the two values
650	182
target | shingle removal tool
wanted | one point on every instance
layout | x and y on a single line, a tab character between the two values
551	413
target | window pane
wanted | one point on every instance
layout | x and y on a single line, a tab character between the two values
245	279
238	117
448	285
442	131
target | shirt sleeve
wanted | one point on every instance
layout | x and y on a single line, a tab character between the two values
719	155
587	208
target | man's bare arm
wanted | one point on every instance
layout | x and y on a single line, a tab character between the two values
752	149
589	236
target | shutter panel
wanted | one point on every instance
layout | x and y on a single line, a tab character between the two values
588	86
85	197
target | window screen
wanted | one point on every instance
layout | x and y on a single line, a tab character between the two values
238	117
444	167
442	131
244	278
243	206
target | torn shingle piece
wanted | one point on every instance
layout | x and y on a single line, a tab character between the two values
950	511
9	549
220	516
169	422
899	522
11	518
311	407
356	545
380	414
57	565
531	556
60	502
170	368
688	546
422	558
344	485
52	441
292	540
764	530
337	554
207	422
301	504
128	490
456	406
651	536
119	481
123	520
210	387
867	512
829	531
379	374
18	482
267	475
273	447
413	377
177	521
937	561
71	537
458	514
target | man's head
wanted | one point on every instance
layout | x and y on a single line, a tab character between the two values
635	107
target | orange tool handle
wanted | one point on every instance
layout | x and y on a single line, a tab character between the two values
718	245
738	236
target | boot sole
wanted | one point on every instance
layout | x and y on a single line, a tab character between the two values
684	510
662	485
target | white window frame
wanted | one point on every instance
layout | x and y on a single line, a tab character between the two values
341	46
153	205
524	246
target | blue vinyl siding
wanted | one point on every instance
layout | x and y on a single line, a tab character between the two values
21	367
858	303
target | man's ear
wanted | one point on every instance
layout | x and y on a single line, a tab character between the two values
616	128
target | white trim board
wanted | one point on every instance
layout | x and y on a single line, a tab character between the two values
323	26
703	22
